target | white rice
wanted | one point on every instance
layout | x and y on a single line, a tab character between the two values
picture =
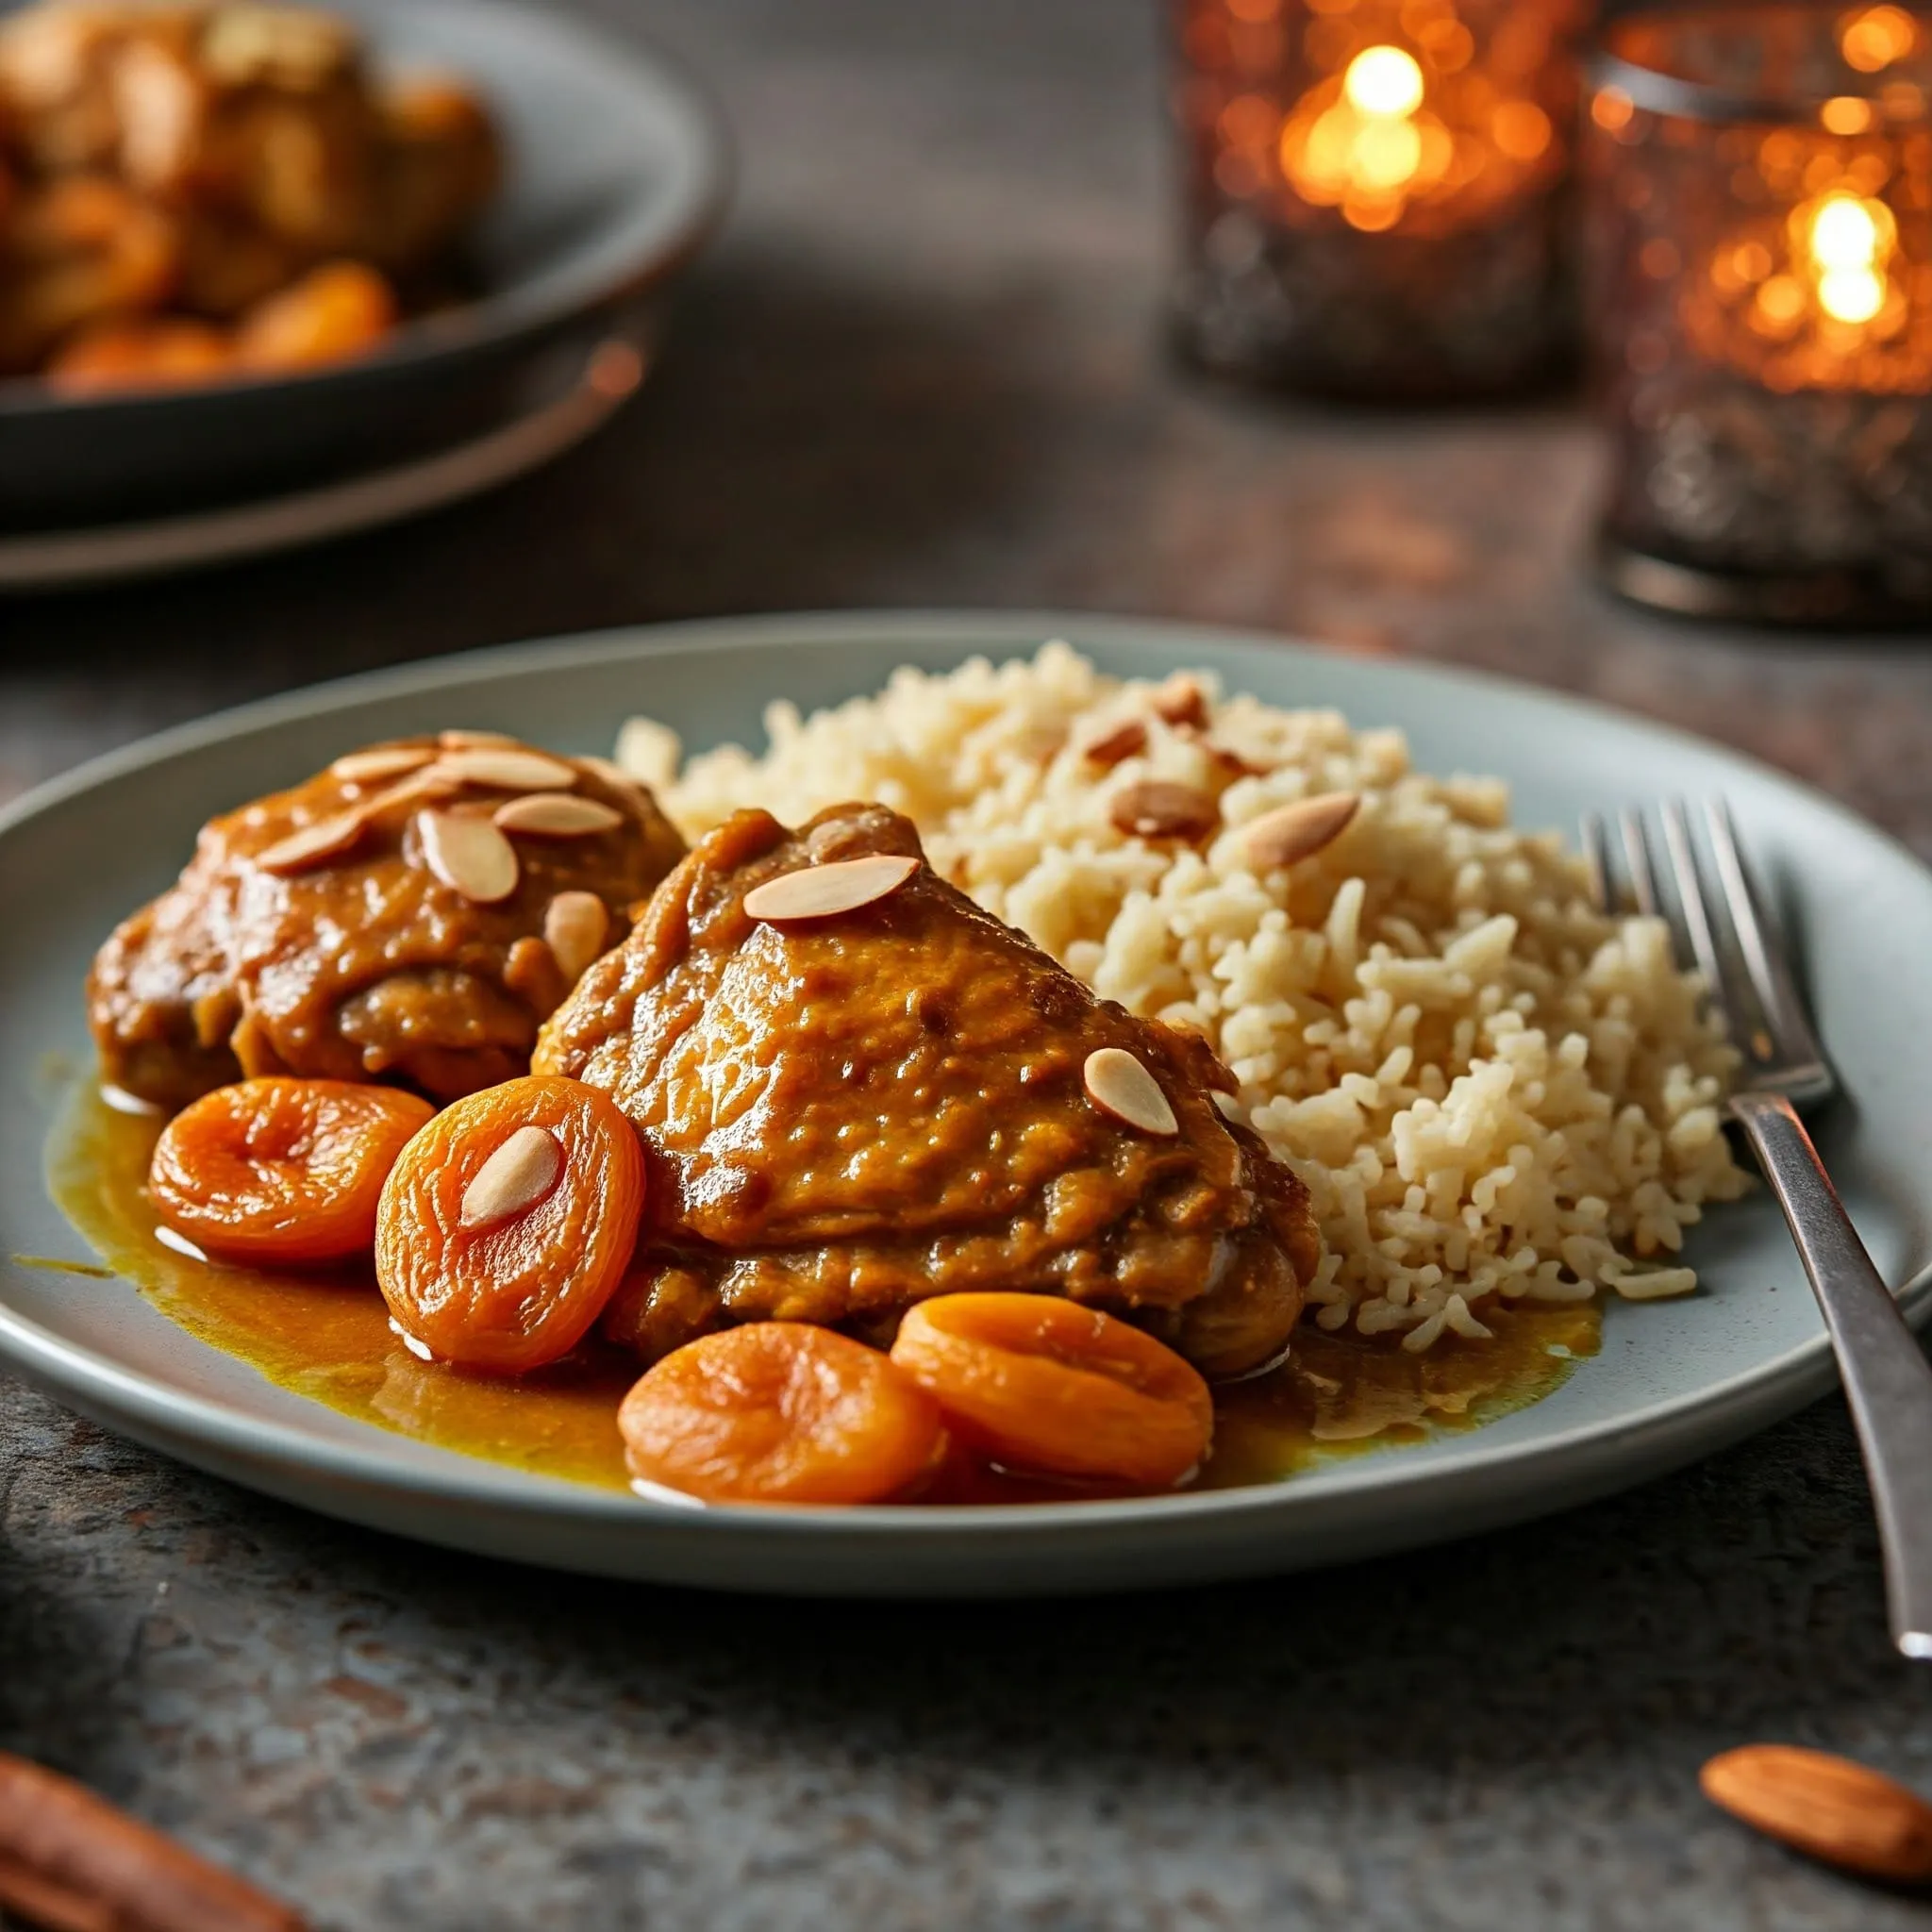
1494	1091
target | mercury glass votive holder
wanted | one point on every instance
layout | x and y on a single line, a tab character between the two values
1758	205
1374	191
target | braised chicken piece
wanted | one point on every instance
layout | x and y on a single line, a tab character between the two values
849	1106
410	915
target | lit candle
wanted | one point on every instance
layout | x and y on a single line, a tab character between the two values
1393	166
1371	140
1761	200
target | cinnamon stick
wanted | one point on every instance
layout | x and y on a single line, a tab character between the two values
71	1862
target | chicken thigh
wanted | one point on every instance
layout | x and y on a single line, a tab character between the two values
408	915
846	1111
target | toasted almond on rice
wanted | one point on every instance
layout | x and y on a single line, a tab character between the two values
1181	701
469	855
556	815
1844	1813
1124	741
1156	809
1119	1084
820	892
1290	833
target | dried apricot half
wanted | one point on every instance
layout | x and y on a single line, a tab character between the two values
281	1171
341	308
1039	1383
779	1412
508	1222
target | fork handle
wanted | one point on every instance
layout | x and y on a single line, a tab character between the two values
1887	1378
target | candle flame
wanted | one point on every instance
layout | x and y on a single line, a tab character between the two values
1848	239
1874	37
1383	81
1843	234
1373	145
1851	294
1396	128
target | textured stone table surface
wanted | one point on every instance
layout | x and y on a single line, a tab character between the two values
922	367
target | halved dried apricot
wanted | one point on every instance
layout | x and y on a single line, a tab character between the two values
282	1171
507	1223
155	351
1039	1383
779	1412
341	308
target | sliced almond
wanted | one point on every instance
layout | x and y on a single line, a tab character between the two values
1181	701
179	1242
1655	1284
1297	831
469	855
463	741
427	783
325	839
576	925
1232	764
1120	1085
819	892
384	762
1830	1807
123	1101
1123	741
1155	808
508	771
514	1179
555	815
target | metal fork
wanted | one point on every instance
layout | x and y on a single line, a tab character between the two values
1887	1378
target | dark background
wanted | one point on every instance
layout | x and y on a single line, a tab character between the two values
923	367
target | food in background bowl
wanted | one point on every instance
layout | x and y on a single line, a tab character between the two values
199	191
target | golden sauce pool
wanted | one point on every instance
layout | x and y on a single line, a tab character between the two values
327	1337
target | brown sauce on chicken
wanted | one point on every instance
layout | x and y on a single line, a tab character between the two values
328	1339
845	1115
373	958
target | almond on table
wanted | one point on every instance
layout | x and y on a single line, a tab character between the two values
1831	1808
508	1222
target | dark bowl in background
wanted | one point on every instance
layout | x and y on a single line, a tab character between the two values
616	170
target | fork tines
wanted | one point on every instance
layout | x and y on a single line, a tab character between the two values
1723	933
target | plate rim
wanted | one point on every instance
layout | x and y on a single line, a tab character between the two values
1727	1410
129	550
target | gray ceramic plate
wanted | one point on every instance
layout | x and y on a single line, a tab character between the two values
1674	1380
